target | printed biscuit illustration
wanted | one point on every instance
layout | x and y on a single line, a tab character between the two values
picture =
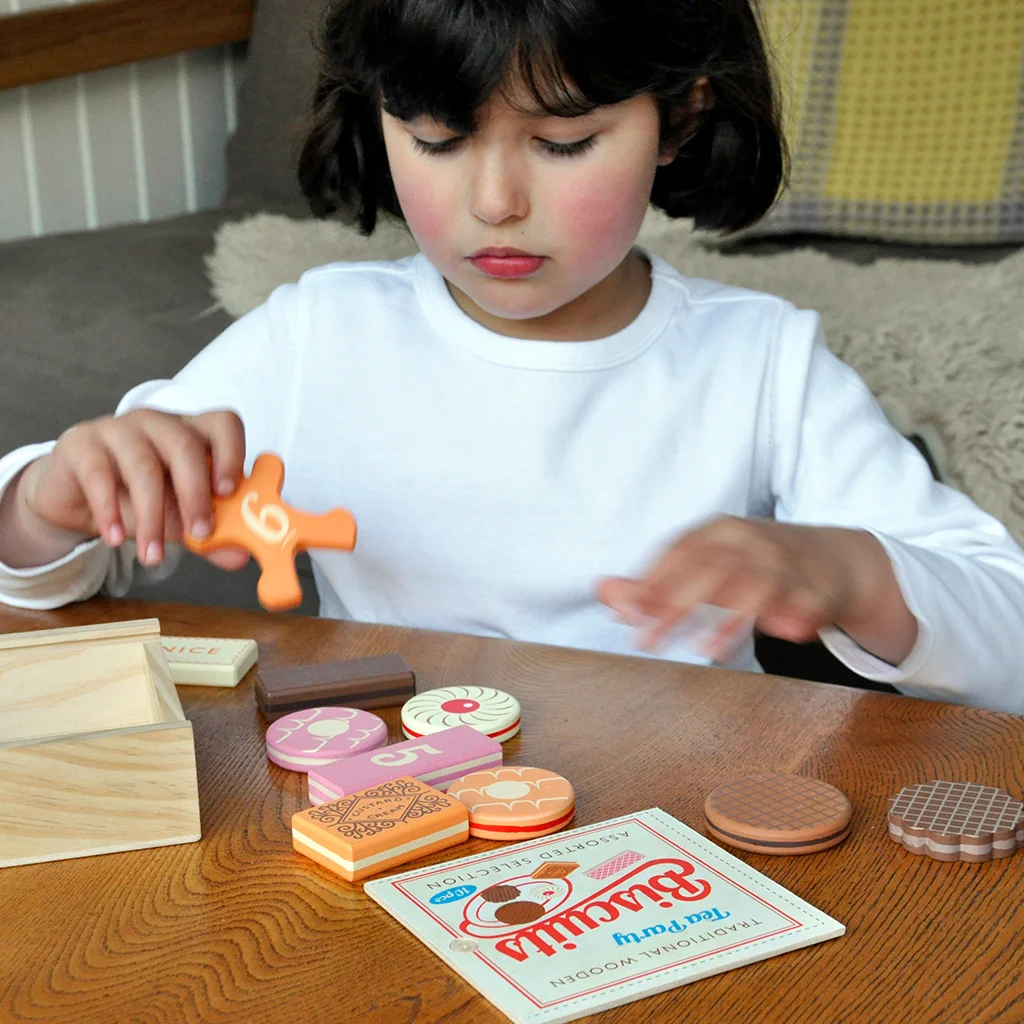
957	821
318	736
614	865
492	712
515	803
519	912
500	893
555	869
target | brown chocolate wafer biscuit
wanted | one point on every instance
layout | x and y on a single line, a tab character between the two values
379	681
778	814
957	821
500	893
520	912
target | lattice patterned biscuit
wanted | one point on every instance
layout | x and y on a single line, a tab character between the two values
778	814
956	821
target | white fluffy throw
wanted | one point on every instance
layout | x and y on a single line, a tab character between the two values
940	343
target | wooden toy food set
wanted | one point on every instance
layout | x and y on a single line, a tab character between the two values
91	730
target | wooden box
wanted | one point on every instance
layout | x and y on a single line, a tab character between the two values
95	753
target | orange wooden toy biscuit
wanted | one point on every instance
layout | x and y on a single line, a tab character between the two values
255	518
515	803
779	814
380	827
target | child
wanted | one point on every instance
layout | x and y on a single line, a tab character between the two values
544	432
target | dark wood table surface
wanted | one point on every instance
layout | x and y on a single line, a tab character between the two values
240	928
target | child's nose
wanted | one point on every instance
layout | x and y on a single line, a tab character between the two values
500	191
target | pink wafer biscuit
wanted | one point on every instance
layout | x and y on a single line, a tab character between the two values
957	821
614	865
318	736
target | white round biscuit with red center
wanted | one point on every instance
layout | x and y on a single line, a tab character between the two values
515	803
492	712
318	736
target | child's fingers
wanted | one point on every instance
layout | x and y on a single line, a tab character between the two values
688	575
231	559
728	638
183	453
677	595
96	476
142	472
225	439
619	594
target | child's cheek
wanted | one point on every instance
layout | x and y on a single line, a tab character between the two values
424	214
604	213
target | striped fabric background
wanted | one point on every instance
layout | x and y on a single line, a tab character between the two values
905	118
131	143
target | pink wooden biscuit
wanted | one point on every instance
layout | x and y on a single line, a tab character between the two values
317	736
437	759
492	712
515	803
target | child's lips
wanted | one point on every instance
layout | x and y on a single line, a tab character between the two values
506	263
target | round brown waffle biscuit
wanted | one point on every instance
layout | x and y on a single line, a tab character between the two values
520	912
957	821
500	893
779	814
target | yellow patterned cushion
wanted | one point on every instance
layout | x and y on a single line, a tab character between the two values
905	118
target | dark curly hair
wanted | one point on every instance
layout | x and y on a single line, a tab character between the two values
444	58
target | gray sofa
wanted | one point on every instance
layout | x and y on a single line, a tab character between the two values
85	316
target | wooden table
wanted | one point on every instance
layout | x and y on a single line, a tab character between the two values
240	928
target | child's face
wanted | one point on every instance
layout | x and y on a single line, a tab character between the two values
503	187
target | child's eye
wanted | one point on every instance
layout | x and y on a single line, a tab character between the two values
554	148
436	147
569	148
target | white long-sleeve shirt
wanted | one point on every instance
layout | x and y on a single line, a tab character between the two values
494	480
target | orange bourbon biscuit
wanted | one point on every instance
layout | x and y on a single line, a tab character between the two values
515	803
379	828
957	821
255	518
778	814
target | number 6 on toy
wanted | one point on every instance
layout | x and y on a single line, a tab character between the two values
255	518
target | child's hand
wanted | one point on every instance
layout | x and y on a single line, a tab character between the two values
791	580
143	475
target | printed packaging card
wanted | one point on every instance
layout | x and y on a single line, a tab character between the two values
580	921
